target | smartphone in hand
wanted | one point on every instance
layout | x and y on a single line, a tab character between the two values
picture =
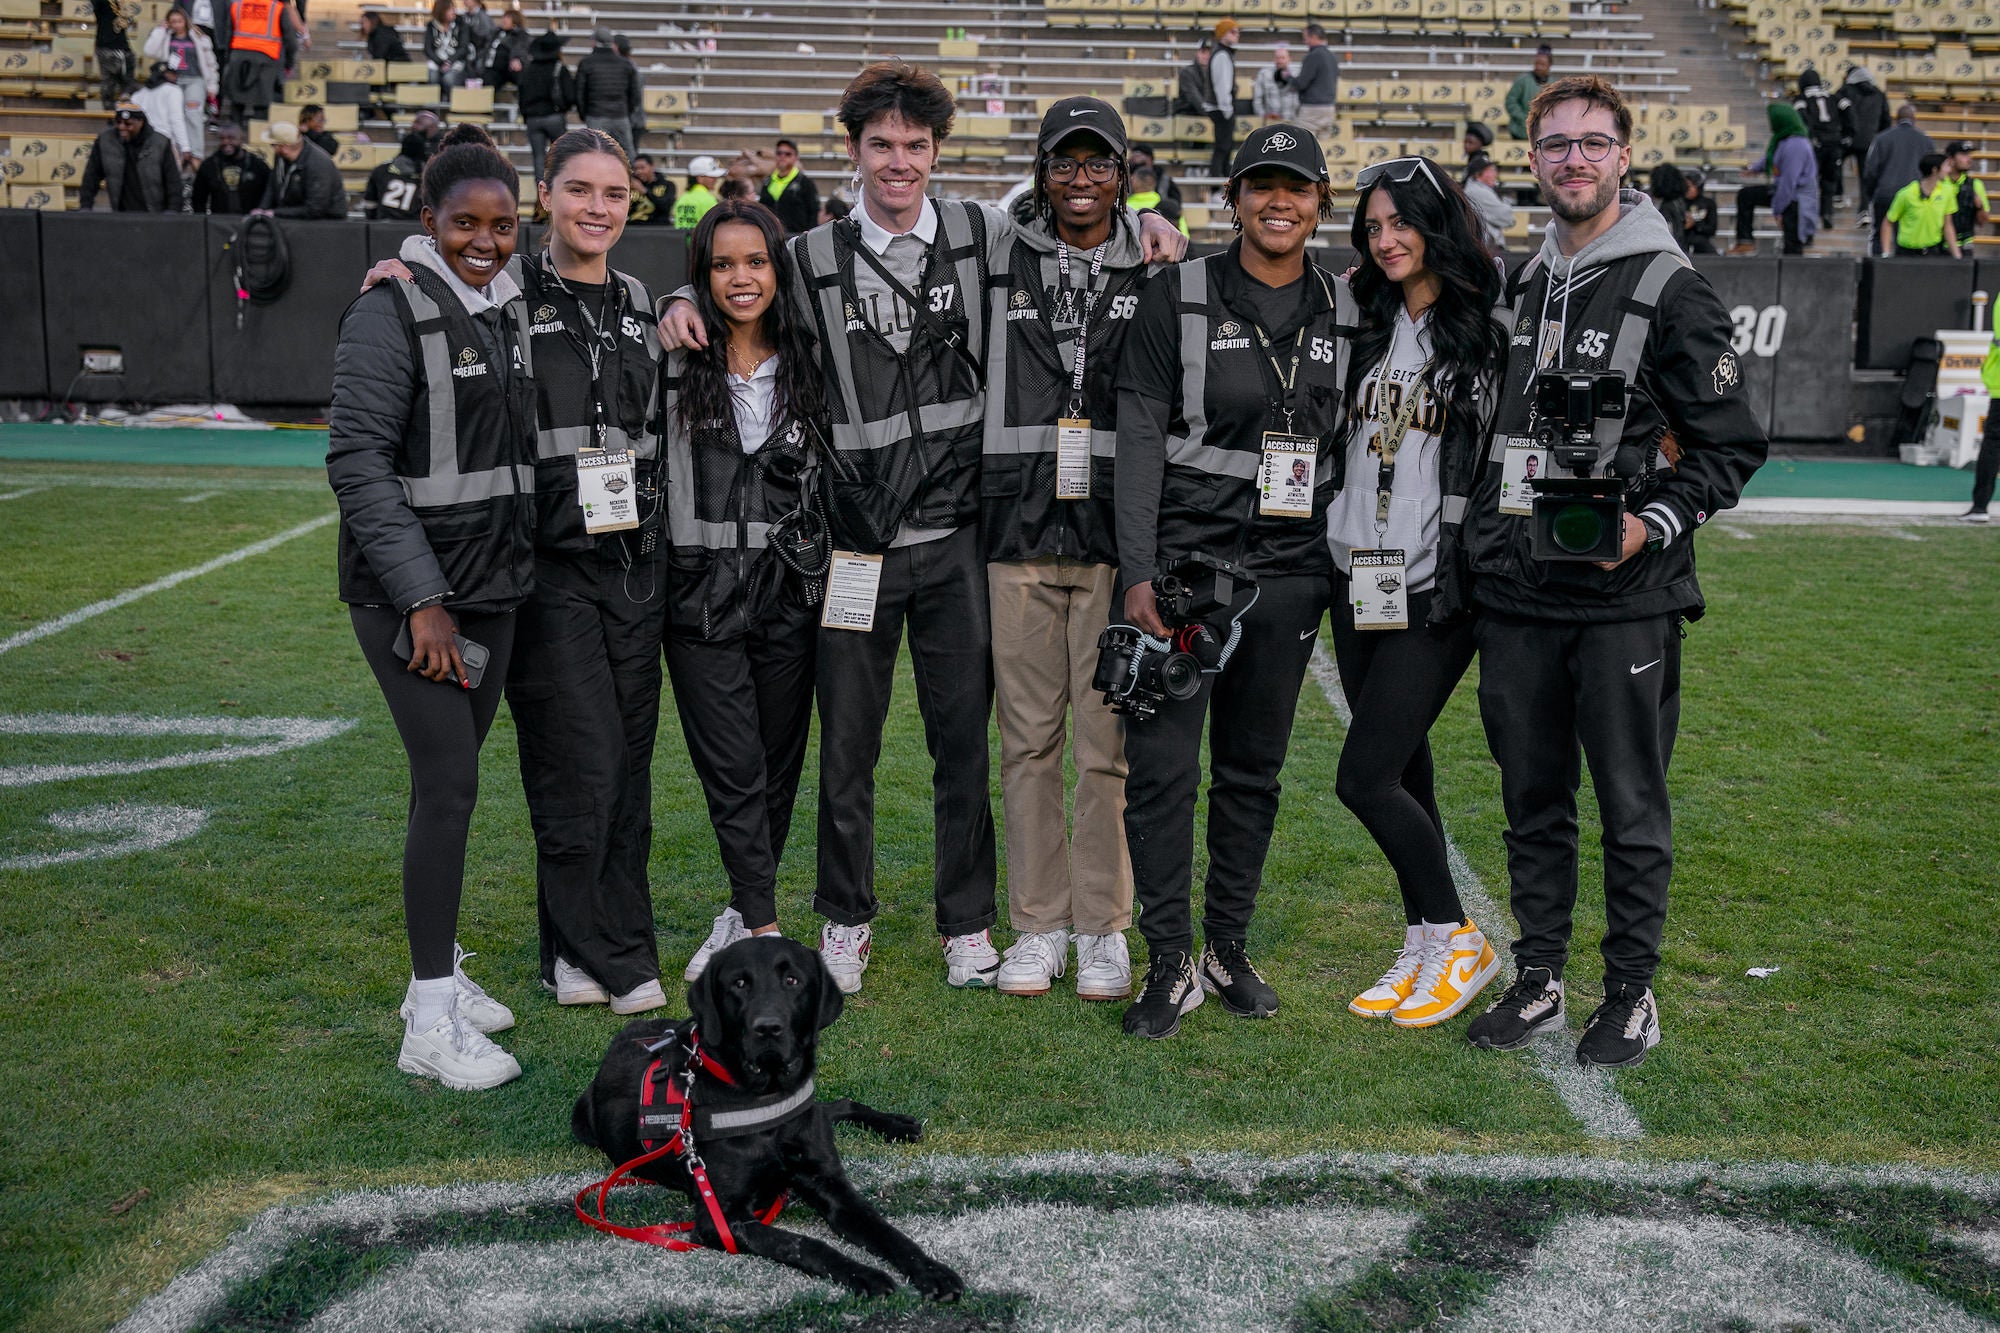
474	655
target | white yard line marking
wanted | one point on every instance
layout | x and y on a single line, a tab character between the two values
1835	507
116	481
22	494
81	614
145	828
1588	1093
198	497
275	734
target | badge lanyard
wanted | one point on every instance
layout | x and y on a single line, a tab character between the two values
1287	383
603	337
1073	431
1389	433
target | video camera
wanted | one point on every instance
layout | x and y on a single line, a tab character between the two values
1138	672
1579	517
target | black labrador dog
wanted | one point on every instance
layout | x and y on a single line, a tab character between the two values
758	1010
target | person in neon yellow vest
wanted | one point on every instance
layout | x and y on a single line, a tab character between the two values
1988	466
1146	194
699	197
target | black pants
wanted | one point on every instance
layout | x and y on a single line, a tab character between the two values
938	589
585	691
1551	694
1829	157
442	726
1249	709
756	687
1225	143
1988	466
1396	683
1753	197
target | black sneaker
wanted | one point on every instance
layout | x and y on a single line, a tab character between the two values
1534	1003
1621	1030
1169	992
1228	974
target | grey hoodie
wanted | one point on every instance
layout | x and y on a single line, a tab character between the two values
1641	229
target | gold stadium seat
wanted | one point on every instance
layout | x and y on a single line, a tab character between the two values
1440	16
1062	13
1475	17
1367	15
1153	129
1340	148
1252	13
1328	11
408	71
1357	93
1442	92
1511	153
1552	18
1402	16
1370	151
1194	129
1146	86
1722	139
1096	14
1400	97
1434	149
1516	17
1289	14
1139	13
1341	176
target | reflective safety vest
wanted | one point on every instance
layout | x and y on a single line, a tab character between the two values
258	25
466	459
906	426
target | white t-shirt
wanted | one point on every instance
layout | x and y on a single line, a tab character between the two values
753	399
1416	498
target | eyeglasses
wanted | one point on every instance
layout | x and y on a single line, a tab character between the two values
1402	170
1596	147
1099	169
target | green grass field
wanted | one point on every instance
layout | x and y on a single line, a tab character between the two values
197	1031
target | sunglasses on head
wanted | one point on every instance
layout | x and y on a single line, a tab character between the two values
1402	170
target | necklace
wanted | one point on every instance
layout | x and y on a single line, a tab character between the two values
750	368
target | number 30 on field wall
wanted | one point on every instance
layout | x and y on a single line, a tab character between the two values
1761	332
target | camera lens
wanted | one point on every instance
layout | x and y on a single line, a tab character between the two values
1180	676
1577	528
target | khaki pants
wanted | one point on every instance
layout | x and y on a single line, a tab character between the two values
1319	119
1047	614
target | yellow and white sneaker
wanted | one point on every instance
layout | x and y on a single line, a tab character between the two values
1381	999
1455	970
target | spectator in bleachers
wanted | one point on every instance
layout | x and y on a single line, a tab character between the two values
699	196
1140	156
191	59
1918	220
1823	126
789	192
160	99
1667	188
1146	193
304	182
391	194
1524	89
547	94
1271	95
1478	138
312	124
1792	190
1864	113
1892	162
113	51
135	163
1222	95
232	180
653	196
1482	191
257	34
608	96
431	125
475	28
1318	84
1701	216
1971	193
441	38
507	50
833	209
384	43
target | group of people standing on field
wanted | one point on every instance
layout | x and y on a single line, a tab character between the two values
999	439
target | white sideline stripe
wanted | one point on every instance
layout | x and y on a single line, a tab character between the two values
81	614
197	1294
198	497
18	495
1588	1093
276	734
1836	505
145	828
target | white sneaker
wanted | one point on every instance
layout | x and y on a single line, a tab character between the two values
477	1007
456	1054
1033	961
642	997
729	928
844	949
971	961
1975	516
575	986
1103	967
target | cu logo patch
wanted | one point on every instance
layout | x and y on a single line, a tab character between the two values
467	357
1230	328
1727	373
1279	142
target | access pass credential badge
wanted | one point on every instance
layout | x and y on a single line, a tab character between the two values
1380	590
606	491
852	582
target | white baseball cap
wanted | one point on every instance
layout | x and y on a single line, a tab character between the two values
704	166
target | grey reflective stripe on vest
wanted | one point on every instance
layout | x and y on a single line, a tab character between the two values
685	527
1453	509
1629	348
855	432
1041	439
1187	449
446	485
564	441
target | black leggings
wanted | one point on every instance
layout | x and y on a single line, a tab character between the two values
1753	197
442	726
1397	682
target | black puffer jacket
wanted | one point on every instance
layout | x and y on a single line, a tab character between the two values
159	175
396	549
547	87
309	187
607	86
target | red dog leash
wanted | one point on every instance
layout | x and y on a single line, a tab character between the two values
668	1235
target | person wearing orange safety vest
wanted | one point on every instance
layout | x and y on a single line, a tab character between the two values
260	37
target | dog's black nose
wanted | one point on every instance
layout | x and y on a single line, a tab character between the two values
768	1027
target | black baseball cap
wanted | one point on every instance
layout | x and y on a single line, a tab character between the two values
1087	115
1957	146
1281	145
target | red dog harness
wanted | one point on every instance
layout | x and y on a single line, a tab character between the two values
662	1092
